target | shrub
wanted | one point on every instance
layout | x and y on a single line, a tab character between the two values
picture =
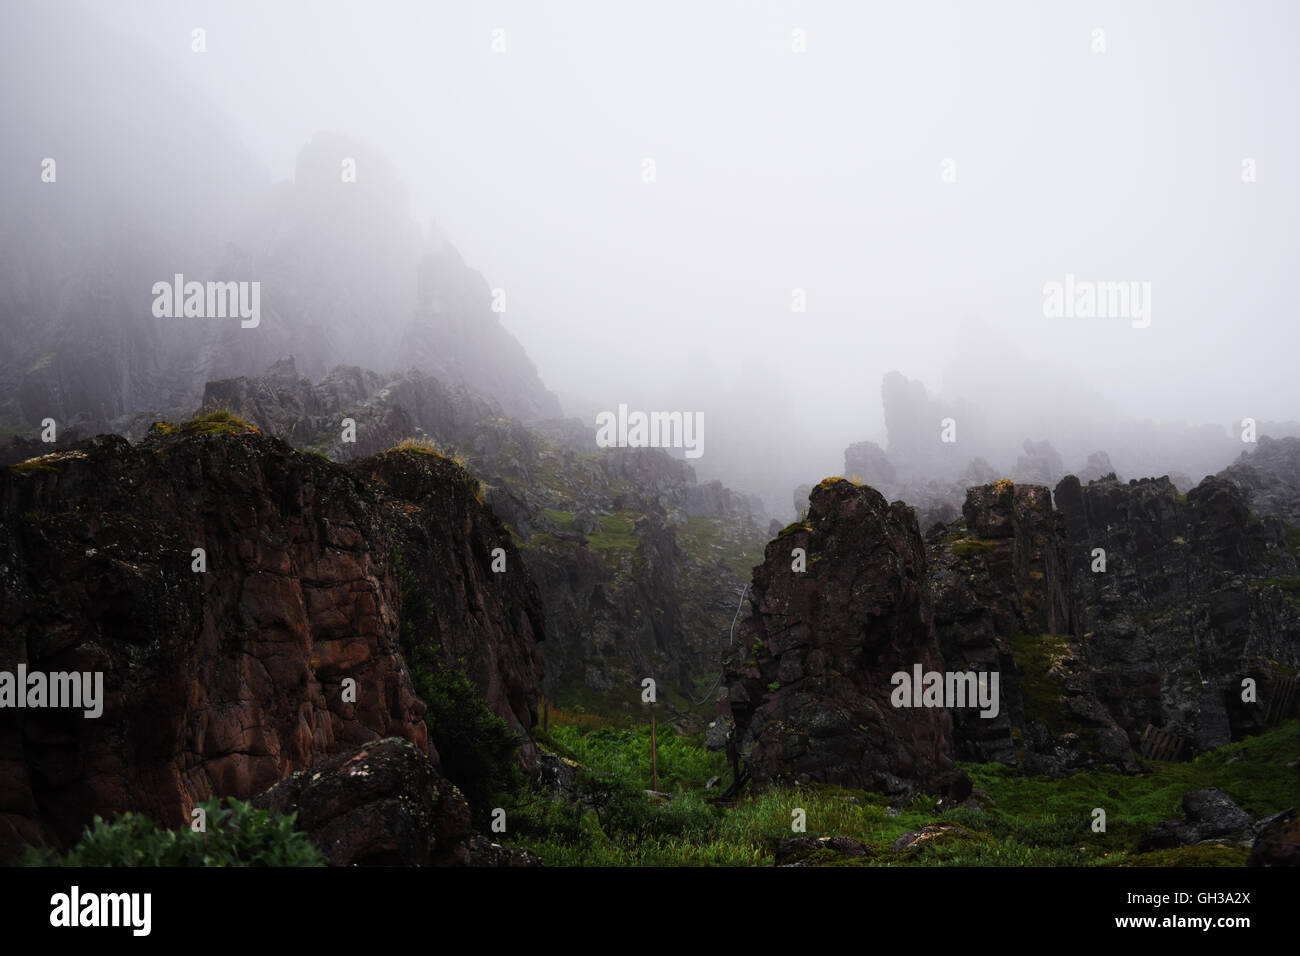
476	746
236	834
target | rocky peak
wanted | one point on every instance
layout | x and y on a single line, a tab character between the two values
812	699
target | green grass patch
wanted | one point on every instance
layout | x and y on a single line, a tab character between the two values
970	547
216	421
563	520
617	531
1029	821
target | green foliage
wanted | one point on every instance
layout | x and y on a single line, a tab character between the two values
236	835
624	753
1028	821
476	746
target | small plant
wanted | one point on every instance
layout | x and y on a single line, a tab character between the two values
423	444
236	834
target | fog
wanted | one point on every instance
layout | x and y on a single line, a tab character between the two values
918	172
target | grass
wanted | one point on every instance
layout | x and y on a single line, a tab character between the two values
970	547
1027	821
216	421
616	531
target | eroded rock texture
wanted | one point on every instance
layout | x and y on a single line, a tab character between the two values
222	682
811	701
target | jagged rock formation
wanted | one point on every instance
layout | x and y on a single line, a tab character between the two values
1039	465
344	273
223	681
1097	467
1197	594
867	461
1269	478
812	701
639	564
1000	585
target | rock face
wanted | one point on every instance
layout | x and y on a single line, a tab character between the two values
1000	584
639	564
812	701
224	681
1196	595
1269	478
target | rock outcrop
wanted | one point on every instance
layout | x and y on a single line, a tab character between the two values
812	699
1269	478
385	804
222	677
1000	585
1178	599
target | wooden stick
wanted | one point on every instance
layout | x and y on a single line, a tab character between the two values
654	755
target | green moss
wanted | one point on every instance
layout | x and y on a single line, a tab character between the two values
969	547
1188	856
32	465
217	421
1036	656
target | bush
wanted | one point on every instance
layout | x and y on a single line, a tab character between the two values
476	746
237	835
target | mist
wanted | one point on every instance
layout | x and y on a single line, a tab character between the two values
751	210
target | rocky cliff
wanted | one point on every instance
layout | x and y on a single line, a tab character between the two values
225	671
1001	589
640	566
1195	594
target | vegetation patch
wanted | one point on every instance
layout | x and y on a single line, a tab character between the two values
1026	820
969	547
1037	656
617	531
236	835
216	421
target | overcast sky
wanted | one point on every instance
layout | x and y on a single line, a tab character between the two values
819	170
